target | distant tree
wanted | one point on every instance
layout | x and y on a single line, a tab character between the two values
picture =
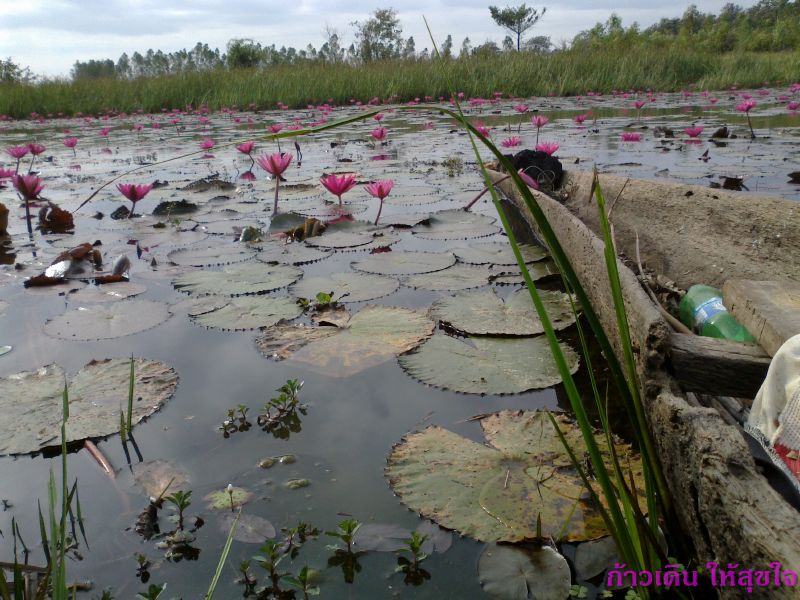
123	66
466	48
447	48
409	50
539	44
517	20
488	48
331	50
11	72
94	69
380	37
508	44
244	53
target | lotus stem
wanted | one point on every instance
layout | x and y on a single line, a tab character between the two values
277	185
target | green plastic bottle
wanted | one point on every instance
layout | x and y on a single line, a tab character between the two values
703	311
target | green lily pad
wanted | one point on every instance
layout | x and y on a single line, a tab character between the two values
372	336
537	270
455	224
380	537
499	491
194	306
251	529
512	573
405	220
594	557
290	254
485	313
238	280
482	365
107	292
346	287
32	400
498	253
211	256
107	321
340	239
250	312
221	499
404	263
437	539
457	277
230	227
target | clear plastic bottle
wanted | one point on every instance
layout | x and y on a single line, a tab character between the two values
702	310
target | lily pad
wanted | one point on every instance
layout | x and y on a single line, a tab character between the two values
238	280
108	292
537	270
380	537
155	476
31	401
194	305
511	573
457	277
497	253
594	557
499	491
107	321
372	336
230	226
251	529
221	499
346	287
482	365
485	313
340	239
455	224
211	256
404	263
437	539
249	312
290	254
405	220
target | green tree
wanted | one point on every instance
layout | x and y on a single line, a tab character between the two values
94	69
517	20
380	37
447	48
244	53
11	72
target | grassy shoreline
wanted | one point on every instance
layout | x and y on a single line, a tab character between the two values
520	74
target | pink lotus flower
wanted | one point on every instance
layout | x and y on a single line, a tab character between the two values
274	164
548	148
207	144
105	131
17	151
746	106
134	193
521	108
246	147
379	133
510	142
379	190
71	142
247	176
639	104
540	121
6	173
36	149
338	184
693	132
793	105
29	186
275	128
579	119
631	136
528	180
379	117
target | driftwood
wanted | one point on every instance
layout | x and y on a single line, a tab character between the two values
726	506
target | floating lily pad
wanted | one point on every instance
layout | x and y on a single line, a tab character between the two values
404	263
497	253
108	292
486	365
594	557
194	306
372	336
155	476
238	280
340	239
211	256
106	321
457	277
512	573
380	537
405	220
221	499
346	287
437	539
455	224
250	312
31	401
290	254
230	226
499	490
250	528
537	270
485	313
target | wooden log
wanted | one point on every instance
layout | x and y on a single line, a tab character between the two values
720	367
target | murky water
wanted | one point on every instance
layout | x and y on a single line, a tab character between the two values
352	422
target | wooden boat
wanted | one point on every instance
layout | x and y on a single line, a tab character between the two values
691	234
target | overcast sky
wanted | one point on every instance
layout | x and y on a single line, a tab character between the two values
50	35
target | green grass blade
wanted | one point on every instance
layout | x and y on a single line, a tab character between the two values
5	593
223	557
129	424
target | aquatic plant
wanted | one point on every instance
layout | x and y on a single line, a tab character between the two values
631	136
134	193
303	581
345	531
71	142
17	153
247	148
539	121
180	500
379	134
746	107
338	184
275	164
548	148
29	187
379	189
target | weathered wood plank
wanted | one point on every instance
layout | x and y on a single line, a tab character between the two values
719	367
770	310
